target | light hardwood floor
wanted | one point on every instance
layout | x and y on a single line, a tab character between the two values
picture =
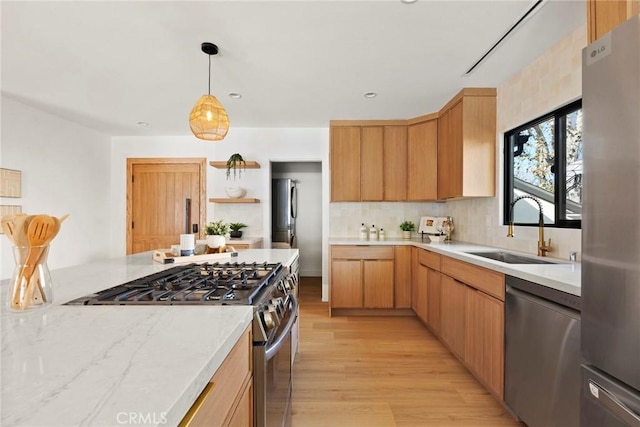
381	371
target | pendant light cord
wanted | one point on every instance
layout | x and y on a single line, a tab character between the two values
209	74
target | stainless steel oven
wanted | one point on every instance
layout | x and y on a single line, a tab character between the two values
272	360
270	288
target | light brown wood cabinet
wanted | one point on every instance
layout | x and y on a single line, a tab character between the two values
604	15
377	167
395	163
420	304
466	145
344	154
402	285
484	344
362	277
371	164
228	398
453	317
422	159
472	318
434	300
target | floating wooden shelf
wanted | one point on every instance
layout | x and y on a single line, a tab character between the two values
249	164
230	200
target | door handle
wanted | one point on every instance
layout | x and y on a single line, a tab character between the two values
187	215
613	404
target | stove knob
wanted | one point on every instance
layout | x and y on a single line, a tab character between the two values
276	313
268	320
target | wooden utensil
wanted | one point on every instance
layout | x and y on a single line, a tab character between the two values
41	231
40	260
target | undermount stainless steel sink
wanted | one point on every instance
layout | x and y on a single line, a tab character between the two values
511	258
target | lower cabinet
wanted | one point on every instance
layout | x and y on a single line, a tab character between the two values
420	303
434	292
484	344
453	303
362	277
227	400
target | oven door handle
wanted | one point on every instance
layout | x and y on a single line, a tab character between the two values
275	346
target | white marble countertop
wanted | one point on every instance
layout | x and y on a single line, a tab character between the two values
113	365
562	275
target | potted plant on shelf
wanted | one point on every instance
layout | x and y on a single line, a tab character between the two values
216	233
235	229
237	163
407	227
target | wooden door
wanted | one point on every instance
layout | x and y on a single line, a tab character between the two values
444	153
346	283
452	316
378	283
345	163
434	283
371	178
402	287
157	190
395	163
422	153
484	346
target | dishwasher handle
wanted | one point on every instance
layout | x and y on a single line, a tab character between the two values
614	405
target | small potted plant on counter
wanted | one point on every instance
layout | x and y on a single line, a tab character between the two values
407	227
235	229
216	232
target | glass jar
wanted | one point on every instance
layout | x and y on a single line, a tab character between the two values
448	227
30	285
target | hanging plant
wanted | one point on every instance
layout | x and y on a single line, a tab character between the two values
237	163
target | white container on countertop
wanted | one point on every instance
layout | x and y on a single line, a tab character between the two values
373	233
364	232
381	234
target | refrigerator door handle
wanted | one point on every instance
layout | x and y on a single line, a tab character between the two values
614	405
294	202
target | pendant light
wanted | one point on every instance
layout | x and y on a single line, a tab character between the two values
208	119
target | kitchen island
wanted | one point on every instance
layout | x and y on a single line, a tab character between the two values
114	365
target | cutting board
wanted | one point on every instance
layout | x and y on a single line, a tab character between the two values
164	256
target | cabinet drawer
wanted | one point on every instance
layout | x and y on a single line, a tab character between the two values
215	403
361	252
429	259
480	278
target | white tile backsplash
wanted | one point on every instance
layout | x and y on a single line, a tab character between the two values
346	218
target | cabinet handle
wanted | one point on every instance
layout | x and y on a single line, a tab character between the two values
193	411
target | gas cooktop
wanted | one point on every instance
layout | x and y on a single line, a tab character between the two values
195	284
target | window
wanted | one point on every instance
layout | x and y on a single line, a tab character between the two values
543	159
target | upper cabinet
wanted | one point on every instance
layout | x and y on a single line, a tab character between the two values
445	155
368	161
345	163
604	15
422	158
467	145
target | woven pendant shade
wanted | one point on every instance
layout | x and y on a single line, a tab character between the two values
208	119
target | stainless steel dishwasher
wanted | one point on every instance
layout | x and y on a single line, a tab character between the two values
542	354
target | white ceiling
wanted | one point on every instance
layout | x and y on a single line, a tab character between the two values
298	63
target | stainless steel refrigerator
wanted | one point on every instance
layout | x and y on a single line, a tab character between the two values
283	214
610	336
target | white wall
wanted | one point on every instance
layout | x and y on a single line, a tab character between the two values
309	218
261	145
65	170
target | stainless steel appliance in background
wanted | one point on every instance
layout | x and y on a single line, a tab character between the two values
542	354
283	214
611	229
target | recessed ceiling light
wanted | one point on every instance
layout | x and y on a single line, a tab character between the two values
408	1
370	94
235	95
143	124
